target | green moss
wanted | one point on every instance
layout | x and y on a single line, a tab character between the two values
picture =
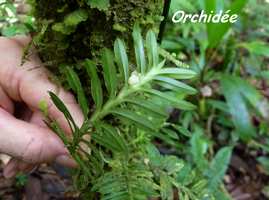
72	30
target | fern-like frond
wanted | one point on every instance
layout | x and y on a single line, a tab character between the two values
124	119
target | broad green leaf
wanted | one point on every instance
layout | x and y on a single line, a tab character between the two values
75	84
96	87
109	70
178	73
237	106
177	84
214	37
210	5
101	5
152	49
177	103
253	96
137	119
121	58
139	49
218	167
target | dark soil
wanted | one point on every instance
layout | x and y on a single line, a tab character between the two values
43	184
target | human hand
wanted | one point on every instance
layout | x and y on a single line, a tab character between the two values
28	140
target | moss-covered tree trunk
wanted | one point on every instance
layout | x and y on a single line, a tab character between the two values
71	30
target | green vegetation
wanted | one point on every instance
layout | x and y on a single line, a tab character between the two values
158	128
14	23
66	26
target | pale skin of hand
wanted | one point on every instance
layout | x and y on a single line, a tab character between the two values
29	141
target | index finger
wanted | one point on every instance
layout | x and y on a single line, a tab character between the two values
30	83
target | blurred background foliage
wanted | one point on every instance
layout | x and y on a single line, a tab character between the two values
232	63
15	18
226	137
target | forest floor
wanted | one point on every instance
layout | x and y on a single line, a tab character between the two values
244	180
47	182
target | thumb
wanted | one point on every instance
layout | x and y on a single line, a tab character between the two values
31	143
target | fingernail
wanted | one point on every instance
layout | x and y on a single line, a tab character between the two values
66	160
10	170
9	173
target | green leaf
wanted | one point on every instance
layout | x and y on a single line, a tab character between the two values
139	49
96	87
109	70
153	154
265	74
199	148
177	103
253	96
121	58
75	84
172	164
214	37
60	105
12	30
108	137
218	167
166	187
182	130
101	5
76	17
105	141
259	48
237	107
220	105
176	84
70	22
117	137
169	132
166	138
141	121
148	105
178	73
152	49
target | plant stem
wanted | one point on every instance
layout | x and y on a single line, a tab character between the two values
125	92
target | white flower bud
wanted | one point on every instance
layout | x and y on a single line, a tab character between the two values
134	78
